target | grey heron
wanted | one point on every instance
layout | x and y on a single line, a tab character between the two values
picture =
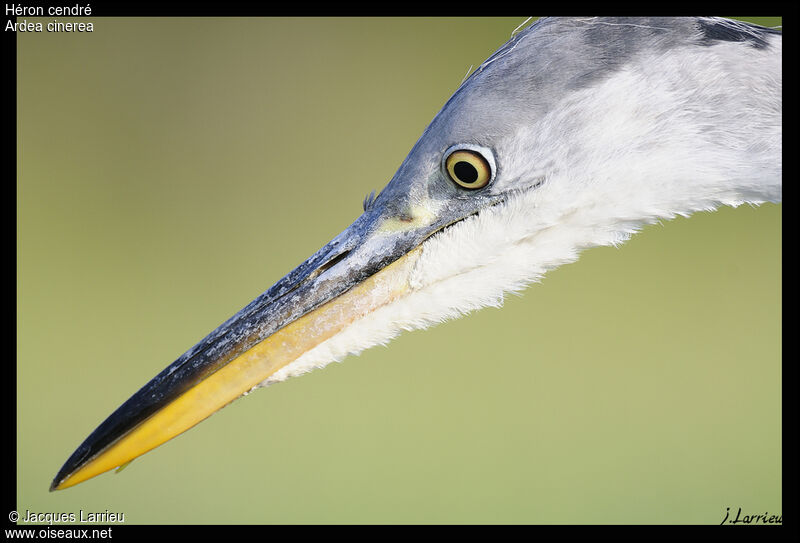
573	134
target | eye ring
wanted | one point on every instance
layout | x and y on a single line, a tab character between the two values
469	166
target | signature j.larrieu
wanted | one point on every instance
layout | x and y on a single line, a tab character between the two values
766	518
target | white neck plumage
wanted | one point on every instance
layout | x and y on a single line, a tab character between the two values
653	141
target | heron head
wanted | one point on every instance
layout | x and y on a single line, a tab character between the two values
573	134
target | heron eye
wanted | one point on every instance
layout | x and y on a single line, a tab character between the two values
468	169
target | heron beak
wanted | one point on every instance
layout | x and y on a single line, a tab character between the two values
362	269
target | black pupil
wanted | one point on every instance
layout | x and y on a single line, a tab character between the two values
465	172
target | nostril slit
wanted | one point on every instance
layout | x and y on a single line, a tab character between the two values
316	273
332	262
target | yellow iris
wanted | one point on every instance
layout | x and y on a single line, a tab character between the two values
468	169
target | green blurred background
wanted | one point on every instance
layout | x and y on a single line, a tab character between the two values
170	170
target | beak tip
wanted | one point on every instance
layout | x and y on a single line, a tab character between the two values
58	481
